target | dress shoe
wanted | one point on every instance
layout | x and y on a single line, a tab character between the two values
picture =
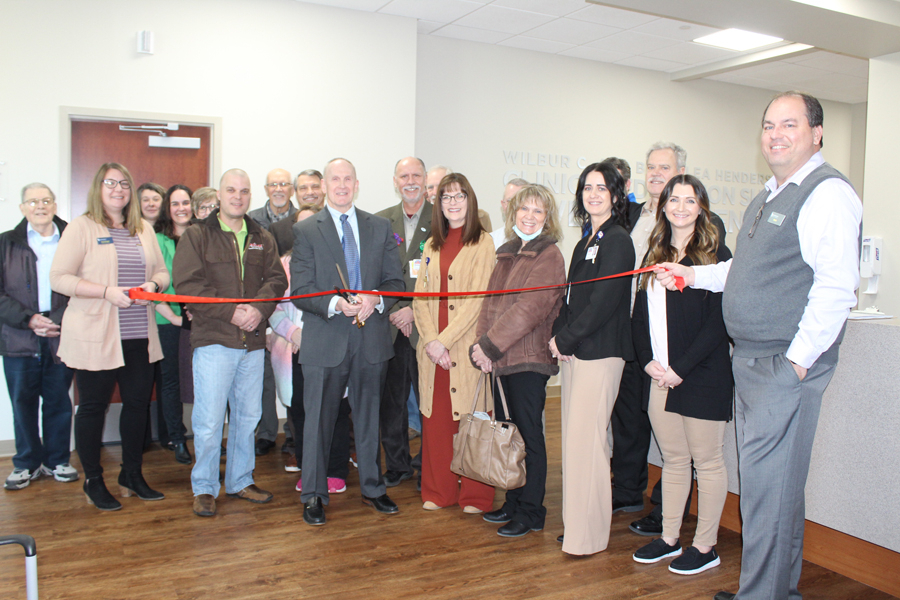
182	454
619	505
561	538
253	494
724	596
97	494
204	505
429	505
382	504
649	526
132	483
263	446
314	512
514	529
472	510
497	516
395	478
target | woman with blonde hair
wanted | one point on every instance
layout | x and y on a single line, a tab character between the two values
106	336
682	345
458	257
511	341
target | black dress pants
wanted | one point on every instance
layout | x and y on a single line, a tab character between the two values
403	371
95	390
526	394
631	438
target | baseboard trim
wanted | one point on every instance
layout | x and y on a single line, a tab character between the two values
863	561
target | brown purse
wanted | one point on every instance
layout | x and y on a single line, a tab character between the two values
489	451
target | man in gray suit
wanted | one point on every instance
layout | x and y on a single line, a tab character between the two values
787	293
411	225
346	341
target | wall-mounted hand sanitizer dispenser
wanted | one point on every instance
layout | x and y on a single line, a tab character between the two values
870	262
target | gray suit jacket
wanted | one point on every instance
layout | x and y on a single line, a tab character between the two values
423	232
317	249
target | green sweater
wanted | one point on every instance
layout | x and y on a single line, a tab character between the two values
167	245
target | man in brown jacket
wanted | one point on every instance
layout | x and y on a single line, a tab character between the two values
228	255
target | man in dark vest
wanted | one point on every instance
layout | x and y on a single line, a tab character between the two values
787	294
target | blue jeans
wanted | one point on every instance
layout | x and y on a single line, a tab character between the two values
225	376
31	379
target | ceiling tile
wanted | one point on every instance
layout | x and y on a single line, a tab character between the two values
556	8
676	30
595	54
441	11
471	34
690	53
366	5
614	17
836	63
575	32
631	42
507	20
654	64
424	27
530	43
780	72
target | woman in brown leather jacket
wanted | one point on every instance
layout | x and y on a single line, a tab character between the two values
512	342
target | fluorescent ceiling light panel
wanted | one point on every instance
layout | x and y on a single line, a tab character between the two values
737	39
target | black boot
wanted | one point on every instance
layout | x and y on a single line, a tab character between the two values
132	482
182	454
97	494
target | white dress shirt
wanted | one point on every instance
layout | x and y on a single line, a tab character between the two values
354	226
828	228
44	249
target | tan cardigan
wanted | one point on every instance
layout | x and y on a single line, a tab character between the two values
470	271
89	337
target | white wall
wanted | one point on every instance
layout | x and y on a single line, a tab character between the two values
294	84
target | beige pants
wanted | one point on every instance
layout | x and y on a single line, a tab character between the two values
680	440
589	390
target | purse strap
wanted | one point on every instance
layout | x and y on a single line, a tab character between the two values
478	387
502	396
493	379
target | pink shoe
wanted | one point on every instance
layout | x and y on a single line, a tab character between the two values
299	487
336	485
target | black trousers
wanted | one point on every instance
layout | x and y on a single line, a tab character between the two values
339	458
403	371
526	394
95	390
631	438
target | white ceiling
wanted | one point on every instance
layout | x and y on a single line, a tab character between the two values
625	37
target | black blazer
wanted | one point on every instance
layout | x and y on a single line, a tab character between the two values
698	350
594	321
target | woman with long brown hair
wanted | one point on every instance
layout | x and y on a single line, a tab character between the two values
681	343
458	257
106	336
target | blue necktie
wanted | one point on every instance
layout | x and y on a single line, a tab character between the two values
351	254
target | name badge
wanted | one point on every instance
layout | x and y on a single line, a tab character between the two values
414	265
591	253
776	219
104	240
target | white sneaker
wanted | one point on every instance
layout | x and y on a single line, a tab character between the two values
64	472
20	478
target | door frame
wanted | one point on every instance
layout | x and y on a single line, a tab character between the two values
67	114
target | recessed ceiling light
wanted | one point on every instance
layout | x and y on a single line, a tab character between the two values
737	39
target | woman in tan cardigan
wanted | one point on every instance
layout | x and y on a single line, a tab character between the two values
459	257
106	336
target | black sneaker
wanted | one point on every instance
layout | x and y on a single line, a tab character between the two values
656	550
693	562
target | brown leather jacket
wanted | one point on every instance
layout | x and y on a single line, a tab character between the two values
206	264
514	329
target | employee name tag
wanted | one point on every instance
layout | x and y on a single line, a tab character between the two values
776	219
414	265
105	240
591	253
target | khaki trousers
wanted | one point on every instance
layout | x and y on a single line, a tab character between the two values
680	440
589	390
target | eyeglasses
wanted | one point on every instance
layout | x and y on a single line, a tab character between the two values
204	209
111	184
42	201
278	184
447	198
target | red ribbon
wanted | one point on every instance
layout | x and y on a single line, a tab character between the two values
140	294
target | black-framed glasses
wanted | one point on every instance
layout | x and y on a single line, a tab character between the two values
111	184
448	198
45	202
279	184
205	209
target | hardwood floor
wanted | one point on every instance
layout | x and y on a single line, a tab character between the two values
160	550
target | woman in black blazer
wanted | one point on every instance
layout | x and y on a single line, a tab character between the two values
592	338
681	343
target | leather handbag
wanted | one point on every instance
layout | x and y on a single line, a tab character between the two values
489	451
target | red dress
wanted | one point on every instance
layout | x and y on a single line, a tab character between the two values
440	484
